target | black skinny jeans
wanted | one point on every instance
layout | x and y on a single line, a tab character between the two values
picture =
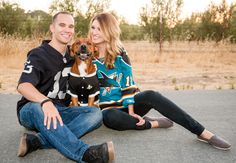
119	119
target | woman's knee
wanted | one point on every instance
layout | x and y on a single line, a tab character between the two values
109	115
147	96
111	118
150	94
118	120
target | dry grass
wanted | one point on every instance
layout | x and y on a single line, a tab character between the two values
13	51
181	66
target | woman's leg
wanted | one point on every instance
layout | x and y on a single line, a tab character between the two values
146	100
119	119
151	99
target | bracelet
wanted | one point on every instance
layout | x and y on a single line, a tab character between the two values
44	101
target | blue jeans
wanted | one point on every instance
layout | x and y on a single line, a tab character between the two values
77	122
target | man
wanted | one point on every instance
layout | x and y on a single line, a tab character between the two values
43	107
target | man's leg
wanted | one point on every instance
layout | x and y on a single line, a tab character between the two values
31	116
81	120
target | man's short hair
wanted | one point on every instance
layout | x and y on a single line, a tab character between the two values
60	12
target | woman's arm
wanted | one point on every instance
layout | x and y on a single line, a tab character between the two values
131	112
128	87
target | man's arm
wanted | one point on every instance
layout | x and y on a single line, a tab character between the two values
30	92
50	111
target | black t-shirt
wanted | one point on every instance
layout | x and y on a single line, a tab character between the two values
48	71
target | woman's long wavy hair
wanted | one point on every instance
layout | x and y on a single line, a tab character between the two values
111	33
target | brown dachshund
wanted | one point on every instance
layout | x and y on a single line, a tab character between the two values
83	81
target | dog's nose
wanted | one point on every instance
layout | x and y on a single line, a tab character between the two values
83	48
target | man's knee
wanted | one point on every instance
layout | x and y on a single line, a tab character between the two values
31	110
96	115
29	113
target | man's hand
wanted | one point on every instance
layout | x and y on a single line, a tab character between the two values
50	111
51	114
141	120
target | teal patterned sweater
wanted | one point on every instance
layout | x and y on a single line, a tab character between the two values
117	87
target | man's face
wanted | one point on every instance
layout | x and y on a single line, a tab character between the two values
63	29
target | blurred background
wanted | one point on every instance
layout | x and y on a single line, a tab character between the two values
173	44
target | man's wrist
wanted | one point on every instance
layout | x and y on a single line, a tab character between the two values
45	101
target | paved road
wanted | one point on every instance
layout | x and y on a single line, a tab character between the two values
216	110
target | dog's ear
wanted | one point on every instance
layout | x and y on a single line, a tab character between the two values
95	52
72	49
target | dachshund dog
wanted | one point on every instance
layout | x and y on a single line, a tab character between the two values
83	81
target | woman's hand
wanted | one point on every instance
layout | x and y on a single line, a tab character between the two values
141	120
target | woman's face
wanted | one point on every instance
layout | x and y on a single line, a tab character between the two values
96	33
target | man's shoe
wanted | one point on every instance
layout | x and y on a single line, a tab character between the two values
163	122
28	143
216	142
103	153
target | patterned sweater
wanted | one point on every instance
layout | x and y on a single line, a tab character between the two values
117	87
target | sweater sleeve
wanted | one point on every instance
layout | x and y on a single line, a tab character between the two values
128	87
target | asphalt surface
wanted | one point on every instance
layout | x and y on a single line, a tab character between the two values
216	110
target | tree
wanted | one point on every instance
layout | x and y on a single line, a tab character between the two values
37	23
187	30
159	19
11	17
232	24
91	8
216	23
131	32
64	5
97	6
82	18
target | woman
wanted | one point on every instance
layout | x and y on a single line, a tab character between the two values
123	106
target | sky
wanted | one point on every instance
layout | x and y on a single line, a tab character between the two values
129	9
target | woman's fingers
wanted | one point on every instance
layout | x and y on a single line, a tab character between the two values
141	120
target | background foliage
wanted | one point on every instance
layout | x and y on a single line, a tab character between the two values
160	20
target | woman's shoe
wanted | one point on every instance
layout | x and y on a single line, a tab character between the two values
163	122
216	142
